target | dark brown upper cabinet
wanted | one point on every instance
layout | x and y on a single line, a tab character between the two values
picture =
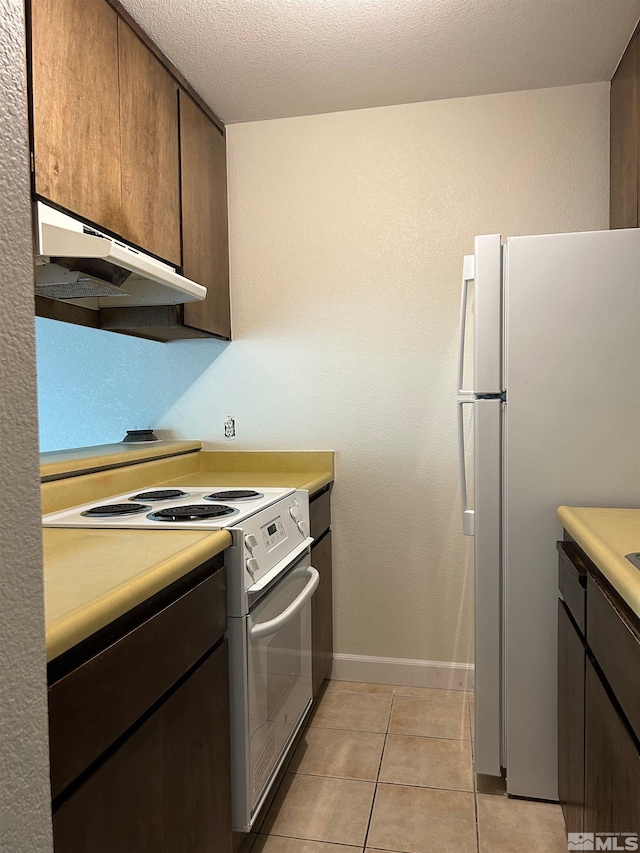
122	140
625	139
76	114
149	149
205	241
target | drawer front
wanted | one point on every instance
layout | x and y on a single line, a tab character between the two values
320	514
572	582
616	648
93	705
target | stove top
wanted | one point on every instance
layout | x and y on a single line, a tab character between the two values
191	507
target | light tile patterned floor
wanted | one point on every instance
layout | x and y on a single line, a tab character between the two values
384	768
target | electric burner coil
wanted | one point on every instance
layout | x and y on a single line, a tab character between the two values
192	512
160	495
234	495
115	510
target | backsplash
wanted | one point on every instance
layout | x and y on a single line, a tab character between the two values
94	385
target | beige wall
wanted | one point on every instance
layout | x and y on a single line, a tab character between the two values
347	237
25	813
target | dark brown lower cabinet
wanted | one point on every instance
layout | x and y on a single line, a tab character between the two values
197	763
322	614
166	787
571	674
612	767
598	733
120	807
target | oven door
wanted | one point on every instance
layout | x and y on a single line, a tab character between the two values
277	639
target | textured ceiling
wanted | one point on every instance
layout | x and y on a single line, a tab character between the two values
260	59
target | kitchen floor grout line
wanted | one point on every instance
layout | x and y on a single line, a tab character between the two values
375	793
326	776
362	731
379	781
375	790
431	737
312	840
393	734
475	787
341	729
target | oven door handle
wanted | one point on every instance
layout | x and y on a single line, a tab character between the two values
264	629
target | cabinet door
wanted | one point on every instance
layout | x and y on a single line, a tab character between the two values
612	778
120	807
150	150
76	124
625	142
322	614
167	787
571	699
197	761
205	241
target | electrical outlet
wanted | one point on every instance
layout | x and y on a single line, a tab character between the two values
230	428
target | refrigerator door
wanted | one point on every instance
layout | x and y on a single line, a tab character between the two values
487	361
488	593
572	340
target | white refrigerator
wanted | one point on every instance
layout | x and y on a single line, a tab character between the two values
550	355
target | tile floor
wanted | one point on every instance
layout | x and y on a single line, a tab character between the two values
391	769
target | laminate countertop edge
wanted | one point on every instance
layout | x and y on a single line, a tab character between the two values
606	535
60	464
78	558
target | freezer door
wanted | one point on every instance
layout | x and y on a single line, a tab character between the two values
488	585
487	367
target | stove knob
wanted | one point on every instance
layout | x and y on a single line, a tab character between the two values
251	540
252	565
295	513
303	527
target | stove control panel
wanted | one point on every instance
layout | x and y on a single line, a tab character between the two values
273	533
263	541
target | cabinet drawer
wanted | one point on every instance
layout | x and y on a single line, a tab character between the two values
616	647
320	514
92	706
572	582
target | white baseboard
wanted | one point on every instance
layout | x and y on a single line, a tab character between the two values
401	671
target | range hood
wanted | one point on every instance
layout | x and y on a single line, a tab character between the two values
83	266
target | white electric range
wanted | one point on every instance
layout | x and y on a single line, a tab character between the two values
270	583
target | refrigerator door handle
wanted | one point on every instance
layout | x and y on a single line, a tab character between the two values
468	515
468	274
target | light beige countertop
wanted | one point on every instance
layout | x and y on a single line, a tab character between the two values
311	481
297	469
92	577
606	535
